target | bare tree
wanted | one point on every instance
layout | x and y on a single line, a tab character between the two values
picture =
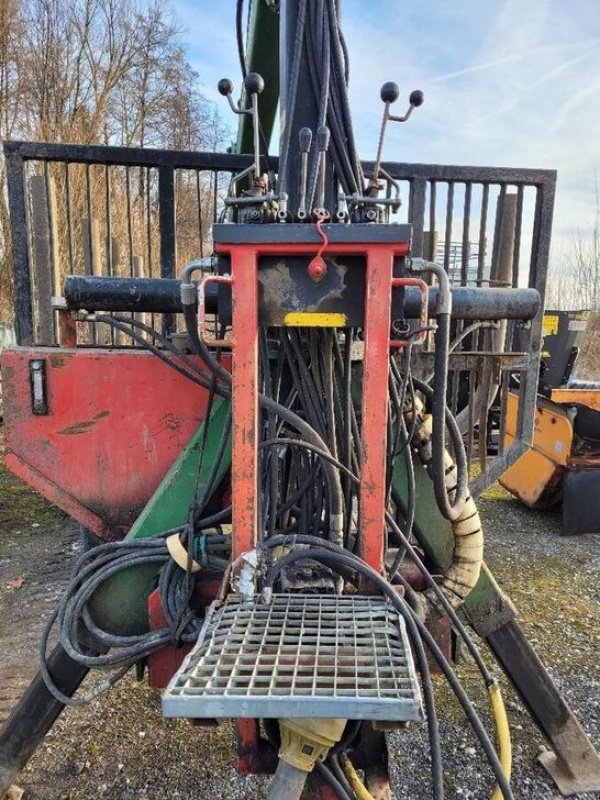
101	72
575	285
11	84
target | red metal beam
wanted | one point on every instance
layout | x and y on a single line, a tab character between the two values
380	261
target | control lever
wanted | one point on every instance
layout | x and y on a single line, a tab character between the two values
305	137
322	146
389	94
254	85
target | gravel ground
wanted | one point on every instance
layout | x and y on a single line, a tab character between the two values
119	747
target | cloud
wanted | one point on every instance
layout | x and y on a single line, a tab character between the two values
506	83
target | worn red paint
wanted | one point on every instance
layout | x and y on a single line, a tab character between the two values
117	420
247	739
244	268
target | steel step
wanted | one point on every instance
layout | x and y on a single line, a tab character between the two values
329	656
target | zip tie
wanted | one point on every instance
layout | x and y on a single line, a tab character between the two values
201	546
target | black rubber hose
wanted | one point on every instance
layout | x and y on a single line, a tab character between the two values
223	387
328	557
451	509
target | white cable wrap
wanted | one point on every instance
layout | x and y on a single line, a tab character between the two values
462	575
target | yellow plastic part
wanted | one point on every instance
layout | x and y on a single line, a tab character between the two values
502	733
179	554
358	787
305	741
315	319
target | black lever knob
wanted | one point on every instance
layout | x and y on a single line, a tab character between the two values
305	139
254	84
389	92
416	98
225	87
322	138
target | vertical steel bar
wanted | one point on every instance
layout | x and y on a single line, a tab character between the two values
199	198
417	215
150	267
129	221
485	196
471	415
69	217
107	211
380	259
244	462
517	241
448	231
15	175
215	195
464	266
432	201
149	225
88	238
166	197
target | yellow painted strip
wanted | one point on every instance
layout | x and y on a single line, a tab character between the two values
315	319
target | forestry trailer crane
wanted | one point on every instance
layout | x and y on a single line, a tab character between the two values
309	556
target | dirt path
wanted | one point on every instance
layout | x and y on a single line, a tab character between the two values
120	748
37	546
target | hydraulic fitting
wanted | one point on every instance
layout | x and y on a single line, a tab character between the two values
306	741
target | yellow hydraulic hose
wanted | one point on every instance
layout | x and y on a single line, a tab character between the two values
358	787
502	733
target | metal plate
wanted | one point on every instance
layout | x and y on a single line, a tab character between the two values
301	655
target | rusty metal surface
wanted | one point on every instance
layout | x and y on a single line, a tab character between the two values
117	420
583	397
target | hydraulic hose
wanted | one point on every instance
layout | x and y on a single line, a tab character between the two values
223	387
462	575
358	787
459	486
502	733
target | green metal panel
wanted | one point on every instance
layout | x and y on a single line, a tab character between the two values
262	56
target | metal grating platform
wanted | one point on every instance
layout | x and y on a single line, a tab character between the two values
301	655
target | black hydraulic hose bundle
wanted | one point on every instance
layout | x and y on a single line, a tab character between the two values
88	643
223	387
329	554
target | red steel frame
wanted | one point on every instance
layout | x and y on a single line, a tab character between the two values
379	281
378	296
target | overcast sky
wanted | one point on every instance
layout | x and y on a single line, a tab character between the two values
507	83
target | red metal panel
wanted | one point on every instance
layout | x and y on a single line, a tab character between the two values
244	461
380	261
117	420
244	260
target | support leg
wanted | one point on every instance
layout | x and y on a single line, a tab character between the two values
35	714
574	765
